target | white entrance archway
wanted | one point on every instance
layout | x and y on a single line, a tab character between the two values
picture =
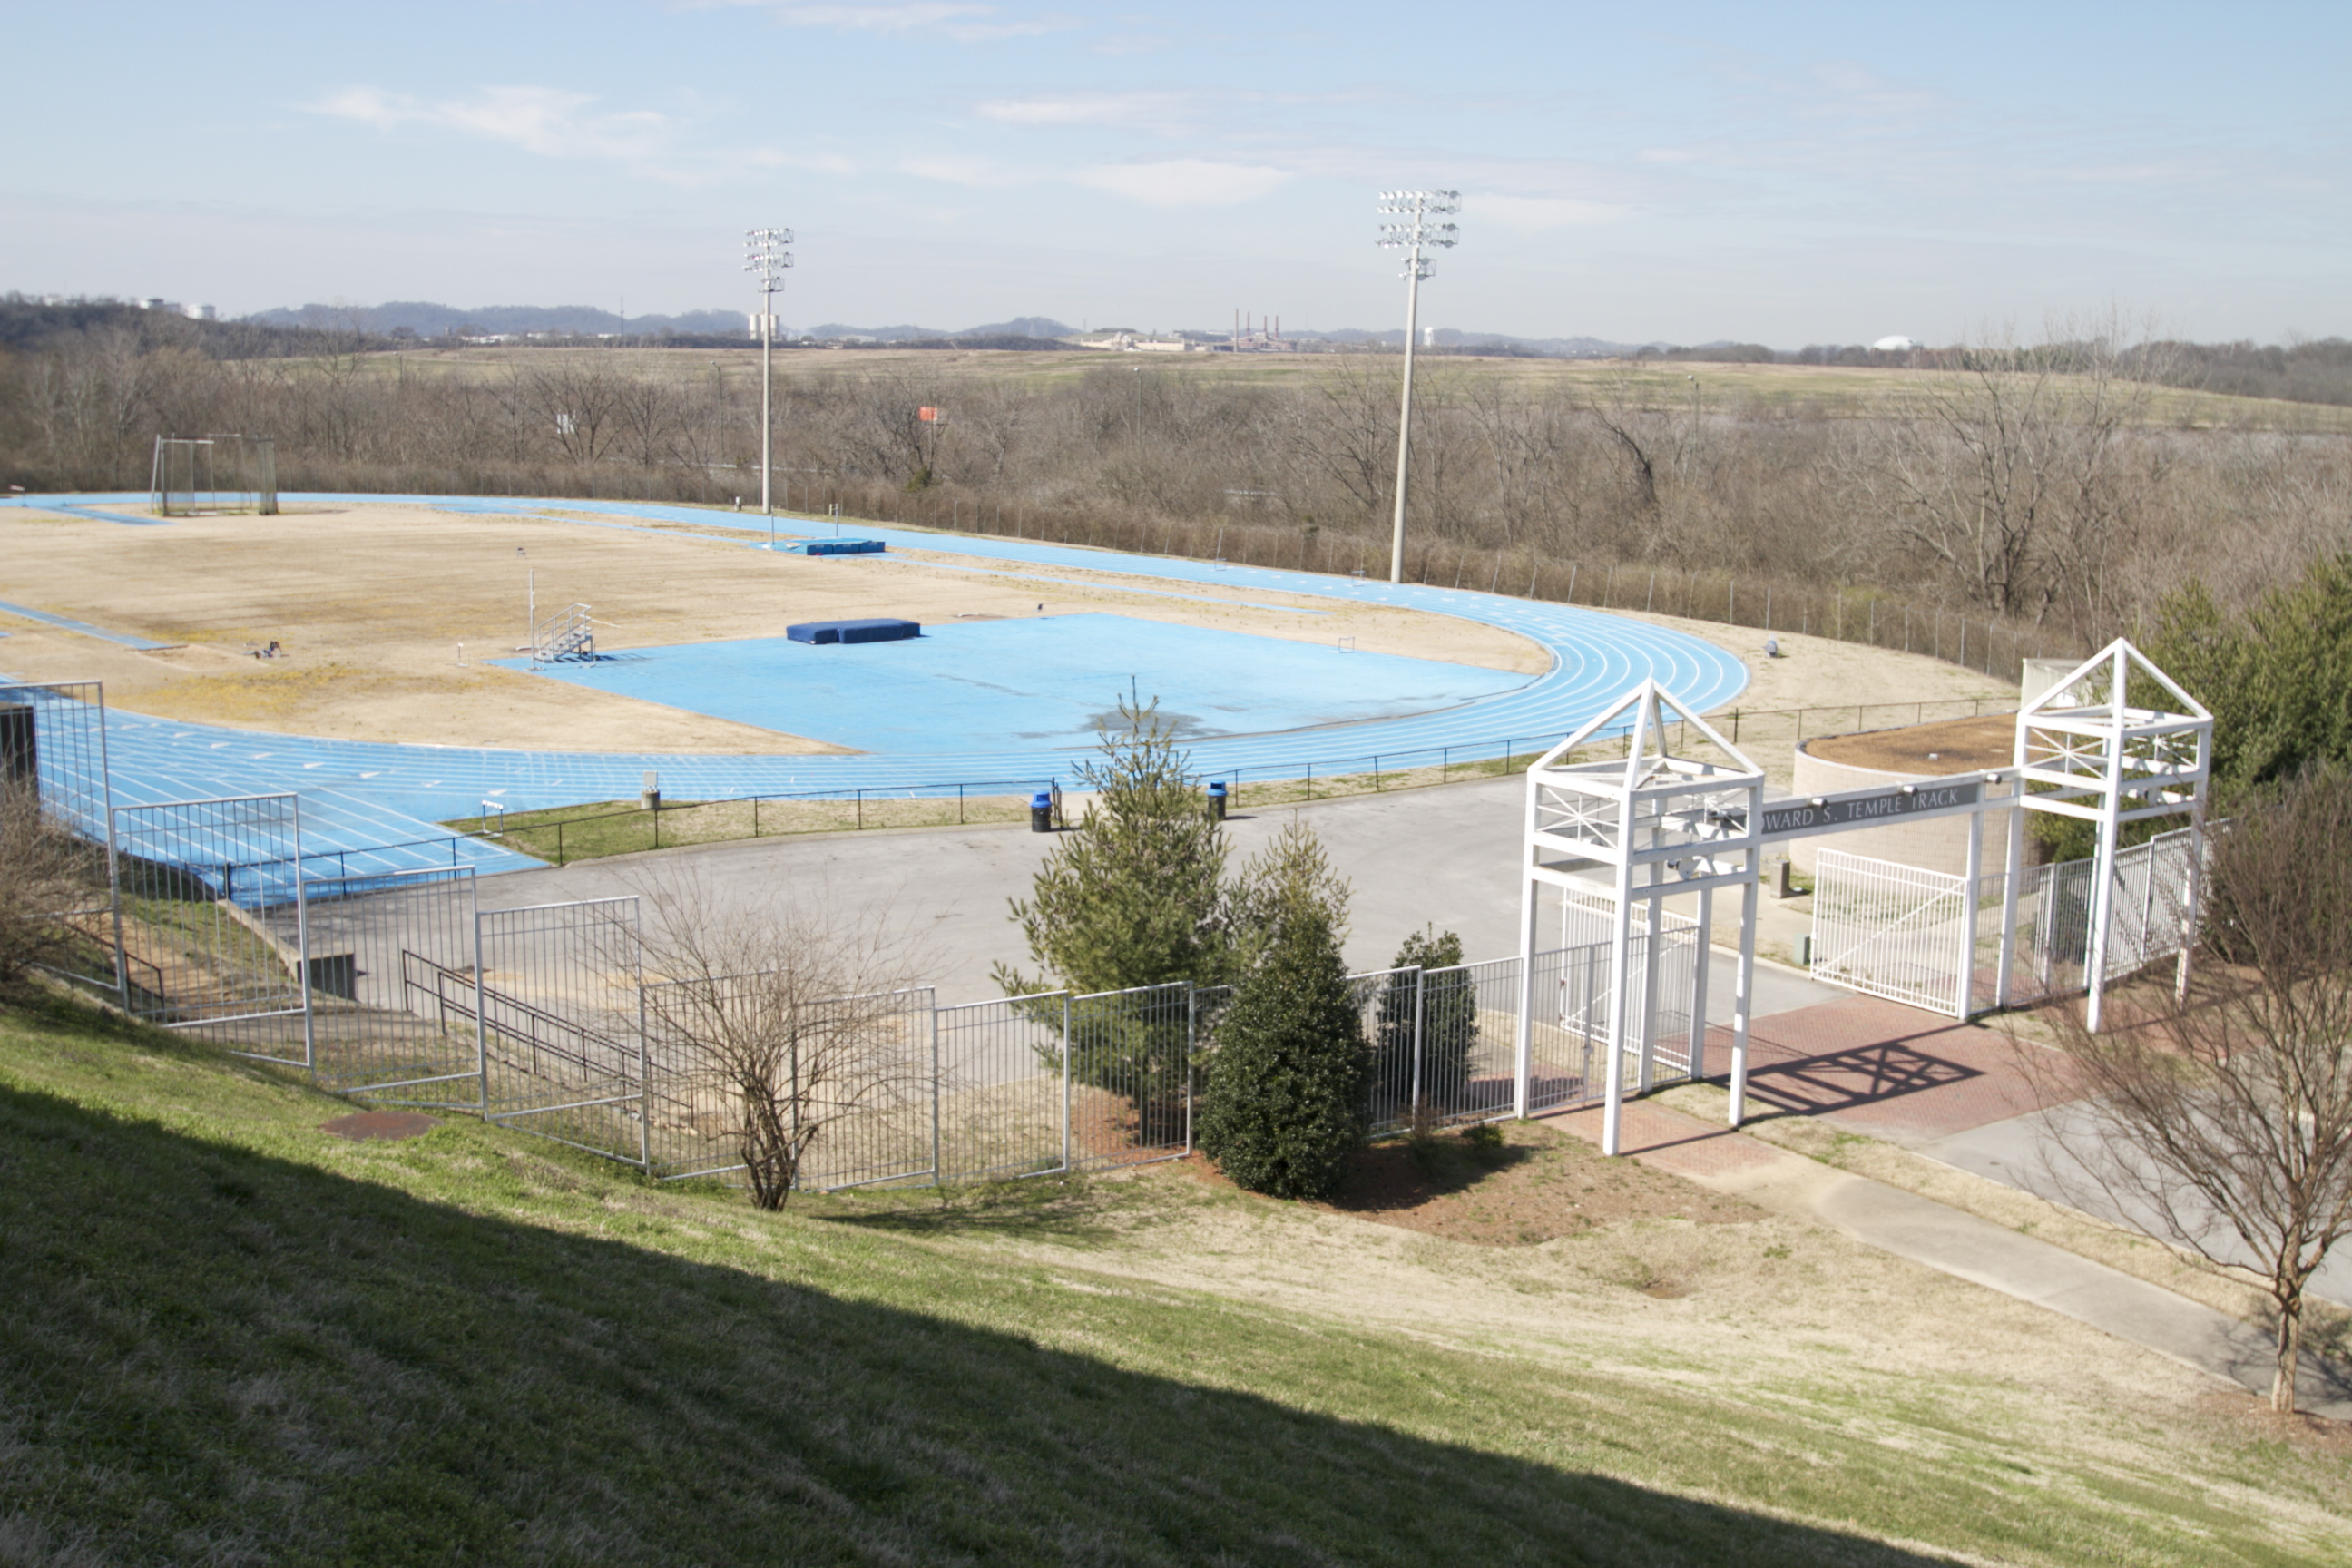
1685	812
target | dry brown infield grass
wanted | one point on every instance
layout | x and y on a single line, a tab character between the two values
386	612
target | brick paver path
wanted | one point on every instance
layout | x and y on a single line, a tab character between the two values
1891	1071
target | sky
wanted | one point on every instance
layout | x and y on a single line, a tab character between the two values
1777	173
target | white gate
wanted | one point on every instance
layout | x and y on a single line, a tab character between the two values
1892	931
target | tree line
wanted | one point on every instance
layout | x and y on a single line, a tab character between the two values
2038	488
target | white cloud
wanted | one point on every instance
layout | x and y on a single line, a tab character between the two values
966	21
1083	108
982	174
1539	212
554	123
542	120
1183	182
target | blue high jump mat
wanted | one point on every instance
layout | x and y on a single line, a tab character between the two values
986	686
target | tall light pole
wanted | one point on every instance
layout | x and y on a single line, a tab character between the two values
1417	210
765	258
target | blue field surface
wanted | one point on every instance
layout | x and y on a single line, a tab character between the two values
367	795
1047	683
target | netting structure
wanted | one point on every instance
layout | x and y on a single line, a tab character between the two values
193	474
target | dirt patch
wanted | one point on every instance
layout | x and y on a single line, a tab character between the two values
1947	746
2250	1415
1521	1184
378	1126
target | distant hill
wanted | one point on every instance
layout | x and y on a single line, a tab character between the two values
428	319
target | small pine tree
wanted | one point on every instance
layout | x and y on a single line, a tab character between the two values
1284	1104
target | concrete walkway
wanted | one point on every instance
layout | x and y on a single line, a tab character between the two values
1965	1247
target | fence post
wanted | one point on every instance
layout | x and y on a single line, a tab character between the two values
1068	1046
861	809
1191	1050
755	817
645	1073
558	841
959	805
937	1176
1419	1007
657	825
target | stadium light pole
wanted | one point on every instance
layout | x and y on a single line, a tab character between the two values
765	258
1417	211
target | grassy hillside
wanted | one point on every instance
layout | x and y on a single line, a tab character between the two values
226	1337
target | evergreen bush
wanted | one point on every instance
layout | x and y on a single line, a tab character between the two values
1285	1081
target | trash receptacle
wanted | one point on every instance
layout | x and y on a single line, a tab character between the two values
1041	812
1217	800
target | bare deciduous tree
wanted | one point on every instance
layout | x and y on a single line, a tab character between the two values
790	1015
2223	1124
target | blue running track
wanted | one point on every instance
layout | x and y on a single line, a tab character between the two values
364	798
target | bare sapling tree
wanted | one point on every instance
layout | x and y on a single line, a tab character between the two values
2223	1123
784	1017
47	875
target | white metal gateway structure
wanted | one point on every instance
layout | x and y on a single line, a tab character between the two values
1682	812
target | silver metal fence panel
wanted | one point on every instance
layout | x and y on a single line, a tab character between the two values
385	956
2053	931
1004	1094
559	997
209	914
53	738
53	756
1569	1034
1389	1004
1891	931
850	1078
2150	907
1663	1016
1131	1091
1468	1065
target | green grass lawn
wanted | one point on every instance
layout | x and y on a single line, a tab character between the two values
226	1337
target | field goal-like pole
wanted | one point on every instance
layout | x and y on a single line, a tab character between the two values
1417	208
766	259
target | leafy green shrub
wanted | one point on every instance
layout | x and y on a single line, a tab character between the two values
1284	1102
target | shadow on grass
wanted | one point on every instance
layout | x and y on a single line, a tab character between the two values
212	1354
1069	1209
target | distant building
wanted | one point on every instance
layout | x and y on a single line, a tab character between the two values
1897	345
199	313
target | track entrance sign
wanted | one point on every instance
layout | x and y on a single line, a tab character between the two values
1867	808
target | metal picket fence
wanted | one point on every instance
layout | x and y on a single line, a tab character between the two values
1892	931
208	914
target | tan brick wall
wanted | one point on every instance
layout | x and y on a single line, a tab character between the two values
1938	844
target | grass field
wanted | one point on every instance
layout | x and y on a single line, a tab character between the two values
231	1337
1824	391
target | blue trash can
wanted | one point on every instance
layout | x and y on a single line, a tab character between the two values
1216	800
1041	812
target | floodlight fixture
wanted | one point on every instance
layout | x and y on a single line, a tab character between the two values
765	258
1420	230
